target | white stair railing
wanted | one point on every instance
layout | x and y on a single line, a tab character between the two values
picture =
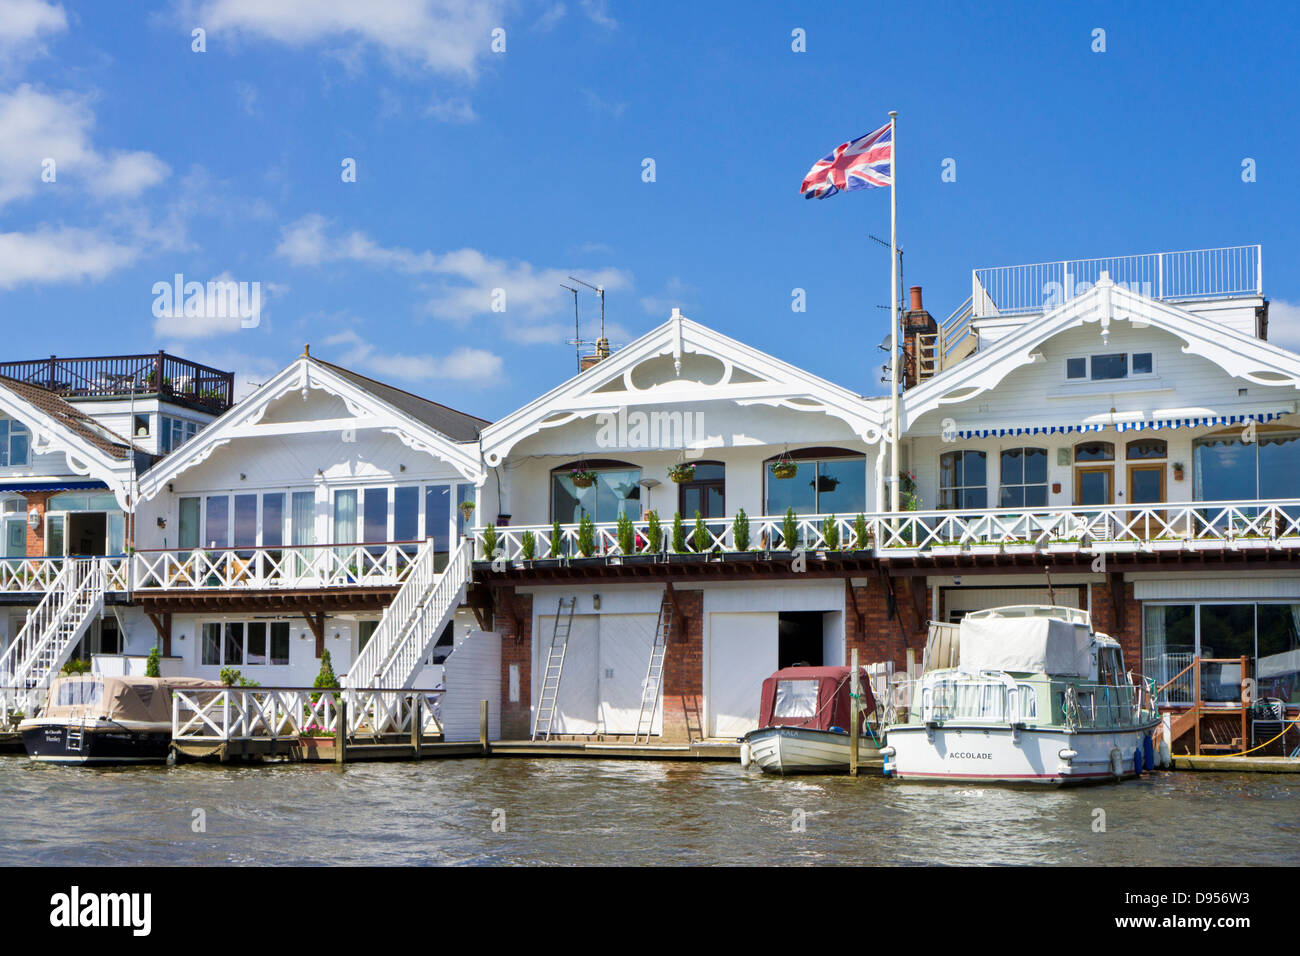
51	631
412	623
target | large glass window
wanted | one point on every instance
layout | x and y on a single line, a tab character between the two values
188	532
1024	478
15	444
245	521
820	486
244	643
437	515
1229	469
615	492
273	520
1268	635
216	528
345	516
406	514
376	514
963	480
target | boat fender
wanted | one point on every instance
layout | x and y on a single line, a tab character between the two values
1148	753
1137	761
744	754
1116	762
1166	754
887	751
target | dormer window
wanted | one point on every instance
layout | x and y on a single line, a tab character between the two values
15	443
1109	366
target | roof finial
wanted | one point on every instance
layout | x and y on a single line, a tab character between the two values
306	350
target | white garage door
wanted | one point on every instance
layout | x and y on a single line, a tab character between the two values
742	654
576	708
625	641
958	601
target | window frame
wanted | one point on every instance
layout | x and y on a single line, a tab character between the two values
815	457
963	488
1128	375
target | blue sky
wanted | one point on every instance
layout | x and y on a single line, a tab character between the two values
480	170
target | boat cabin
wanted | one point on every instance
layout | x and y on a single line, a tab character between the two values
814	697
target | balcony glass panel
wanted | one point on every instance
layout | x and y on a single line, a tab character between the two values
216	530
245	521
188	533
376	514
1278	647
437	515
273	520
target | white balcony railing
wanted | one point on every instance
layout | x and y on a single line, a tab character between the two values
1189	526
1169	276
248	713
255	569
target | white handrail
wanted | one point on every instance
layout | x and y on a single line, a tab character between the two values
245	713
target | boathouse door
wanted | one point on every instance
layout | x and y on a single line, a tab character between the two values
742	653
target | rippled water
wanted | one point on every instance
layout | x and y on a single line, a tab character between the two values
623	812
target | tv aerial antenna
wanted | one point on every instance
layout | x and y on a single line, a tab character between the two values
600	291
577	341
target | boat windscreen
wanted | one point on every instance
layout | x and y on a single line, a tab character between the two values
80	693
796	698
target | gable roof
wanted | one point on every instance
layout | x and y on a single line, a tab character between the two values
372	404
748	377
1240	355
456	425
75	421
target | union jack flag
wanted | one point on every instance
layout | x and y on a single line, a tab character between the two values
863	163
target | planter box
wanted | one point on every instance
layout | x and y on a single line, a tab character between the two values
1062	547
940	550
908	552
1115	547
1168	544
587	562
641	559
985	548
734	556
1019	548
691	558
547	562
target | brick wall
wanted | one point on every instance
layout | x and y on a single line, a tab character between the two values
881	638
684	673
1128	629
516	718
36	538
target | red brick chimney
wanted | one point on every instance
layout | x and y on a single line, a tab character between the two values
916	322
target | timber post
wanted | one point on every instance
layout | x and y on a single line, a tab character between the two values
483	725
855	715
341	733
415	725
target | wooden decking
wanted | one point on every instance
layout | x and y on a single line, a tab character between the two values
1238	764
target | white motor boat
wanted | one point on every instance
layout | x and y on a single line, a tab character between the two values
1025	694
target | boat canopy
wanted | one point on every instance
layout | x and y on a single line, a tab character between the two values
1034	644
813	697
117	698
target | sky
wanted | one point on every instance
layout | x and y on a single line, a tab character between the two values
408	184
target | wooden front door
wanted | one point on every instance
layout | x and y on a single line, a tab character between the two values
1094	485
1146	485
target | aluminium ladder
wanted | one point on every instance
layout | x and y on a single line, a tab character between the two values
654	674
549	697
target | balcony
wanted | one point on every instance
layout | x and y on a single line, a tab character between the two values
1193	275
1183	528
119	376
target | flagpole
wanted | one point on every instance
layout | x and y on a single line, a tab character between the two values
893	313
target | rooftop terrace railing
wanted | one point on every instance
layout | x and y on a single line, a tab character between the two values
1169	276
115	376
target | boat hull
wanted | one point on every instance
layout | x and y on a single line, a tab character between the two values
787	750
982	754
101	742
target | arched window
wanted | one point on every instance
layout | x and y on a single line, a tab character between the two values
615	491
1146	448
1094	451
1024	478
705	493
828	481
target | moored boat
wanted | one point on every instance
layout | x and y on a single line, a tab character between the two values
1025	694
802	723
94	719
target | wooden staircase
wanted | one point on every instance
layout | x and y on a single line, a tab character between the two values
1212	730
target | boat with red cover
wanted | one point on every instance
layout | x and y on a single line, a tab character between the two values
804	718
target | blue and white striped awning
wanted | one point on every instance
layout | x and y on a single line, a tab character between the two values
1198	422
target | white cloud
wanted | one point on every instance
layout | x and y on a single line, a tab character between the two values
547	21
36	127
599	104
598	13
463	364
676	294
61	254
445	36
1284	324
453	109
466	281
25	23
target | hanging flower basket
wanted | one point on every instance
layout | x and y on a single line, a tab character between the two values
582	478
681	473
784	468
467	509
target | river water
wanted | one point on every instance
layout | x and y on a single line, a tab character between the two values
552	811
